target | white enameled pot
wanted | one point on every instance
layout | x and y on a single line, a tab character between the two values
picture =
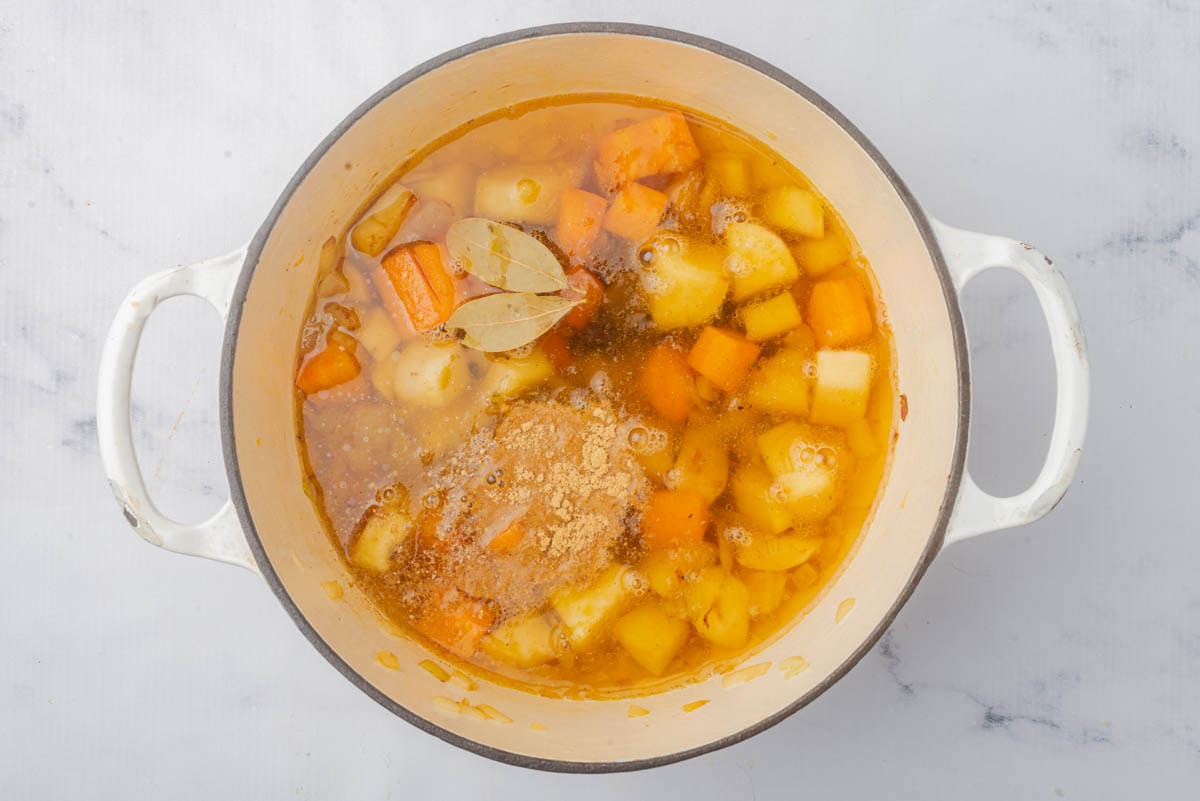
927	502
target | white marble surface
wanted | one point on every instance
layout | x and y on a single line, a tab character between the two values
1061	660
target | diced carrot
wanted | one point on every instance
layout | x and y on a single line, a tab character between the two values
674	518
418	277
722	356
635	212
457	625
334	365
667	383
580	214
557	349
839	313
658	145
585	287
507	539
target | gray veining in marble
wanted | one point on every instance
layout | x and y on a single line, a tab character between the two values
1060	660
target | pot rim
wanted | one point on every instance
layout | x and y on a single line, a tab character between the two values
229	446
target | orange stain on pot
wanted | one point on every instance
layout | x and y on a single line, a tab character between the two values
434	669
843	609
636	711
333	590
388	660
793	666
743	675
538	727
694	705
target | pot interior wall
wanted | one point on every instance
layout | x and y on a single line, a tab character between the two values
419	111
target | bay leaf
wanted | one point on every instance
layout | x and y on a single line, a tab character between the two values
508	320
504	256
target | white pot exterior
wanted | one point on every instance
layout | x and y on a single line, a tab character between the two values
295	554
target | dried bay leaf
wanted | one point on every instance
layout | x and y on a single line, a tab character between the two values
508	320
504	256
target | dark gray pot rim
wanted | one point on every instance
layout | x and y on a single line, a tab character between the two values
229	446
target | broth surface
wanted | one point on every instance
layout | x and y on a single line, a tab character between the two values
666	476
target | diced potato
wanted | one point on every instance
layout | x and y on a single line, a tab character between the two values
686	283
727	622
588	611
383	377
703	463
777	553
360	286
818	256
378	333
656	463
651	636
751	489
386	530
665	569
861	439
766	590
803	341
795	210
770	318
525	193
700	590
453	184
758	259
780	384
508	377
805	467
776	445
429	374
809	492
842	386
522	642
383	220
731	171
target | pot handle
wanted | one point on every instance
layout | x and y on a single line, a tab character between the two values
220	537
977	512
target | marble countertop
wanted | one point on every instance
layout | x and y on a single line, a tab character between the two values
1058	660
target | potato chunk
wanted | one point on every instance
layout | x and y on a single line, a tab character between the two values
777	553
385	531
818	256
651	636
664	569
523	642
751	489
769	318
508	377
686	284
780	384
758	259
842	387
795	210
429	374
703	463
726	621
524	193
766	591
588	611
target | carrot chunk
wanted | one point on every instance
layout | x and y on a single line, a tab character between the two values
416	275
722	356
635	212
580	215
673	518
333	366
457	625
650	147
557	349
667	384
584	287
839	313
508	538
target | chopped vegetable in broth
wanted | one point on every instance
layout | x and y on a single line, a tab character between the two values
596	396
